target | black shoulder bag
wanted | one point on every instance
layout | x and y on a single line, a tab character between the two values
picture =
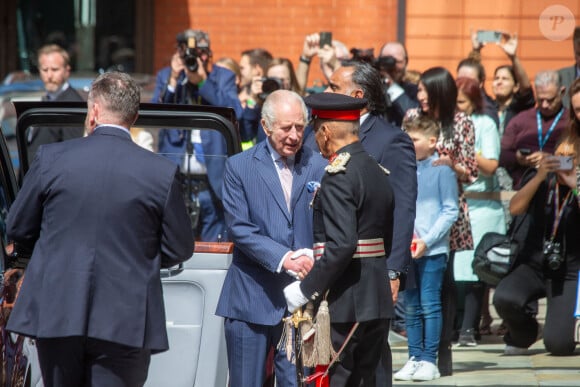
495	255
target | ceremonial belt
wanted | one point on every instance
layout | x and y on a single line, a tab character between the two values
366	248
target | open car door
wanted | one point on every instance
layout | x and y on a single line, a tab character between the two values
197	354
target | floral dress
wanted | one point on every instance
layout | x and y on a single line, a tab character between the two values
460	148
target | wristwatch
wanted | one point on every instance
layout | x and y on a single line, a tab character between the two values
394	275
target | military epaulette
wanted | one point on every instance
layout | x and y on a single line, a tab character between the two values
338	164
387	172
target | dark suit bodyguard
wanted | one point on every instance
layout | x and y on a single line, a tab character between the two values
103	216
353	226
54	70
267	200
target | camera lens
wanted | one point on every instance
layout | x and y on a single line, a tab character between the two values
190	59
554	261
270	85
552	255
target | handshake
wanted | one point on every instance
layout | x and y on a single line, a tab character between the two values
299	263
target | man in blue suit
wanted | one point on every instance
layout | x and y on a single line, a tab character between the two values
394	150
269	219
102	217
201	156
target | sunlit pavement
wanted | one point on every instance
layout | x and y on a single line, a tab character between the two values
486	365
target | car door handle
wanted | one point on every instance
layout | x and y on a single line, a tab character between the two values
172	271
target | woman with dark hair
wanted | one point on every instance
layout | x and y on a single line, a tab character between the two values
437	95
485	210
283	70
511	86
548	263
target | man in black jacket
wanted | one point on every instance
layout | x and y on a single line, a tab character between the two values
400	95
353	228
54	69
102	216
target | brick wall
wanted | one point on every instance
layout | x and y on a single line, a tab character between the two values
439	34
279	26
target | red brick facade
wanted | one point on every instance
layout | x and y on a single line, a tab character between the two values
279	26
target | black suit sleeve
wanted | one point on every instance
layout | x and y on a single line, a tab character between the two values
398	107
25	215
177	242
399	158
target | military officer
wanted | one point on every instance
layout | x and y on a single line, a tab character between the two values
352	225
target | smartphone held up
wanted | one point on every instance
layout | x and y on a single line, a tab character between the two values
566	162
489	36
325	38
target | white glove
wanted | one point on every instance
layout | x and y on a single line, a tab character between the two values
294	297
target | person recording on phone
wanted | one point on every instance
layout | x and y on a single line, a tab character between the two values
550	258
400	94
535	132
511	85
548	262
330	52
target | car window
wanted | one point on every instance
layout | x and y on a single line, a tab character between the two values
196	139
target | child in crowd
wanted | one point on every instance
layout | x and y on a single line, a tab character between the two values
437	210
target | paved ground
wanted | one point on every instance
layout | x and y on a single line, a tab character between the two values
485	365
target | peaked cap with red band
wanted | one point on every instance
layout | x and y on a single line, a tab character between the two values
334	106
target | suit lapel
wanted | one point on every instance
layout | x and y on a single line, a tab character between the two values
267	171
300	177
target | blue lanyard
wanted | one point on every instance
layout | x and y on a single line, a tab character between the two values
543	141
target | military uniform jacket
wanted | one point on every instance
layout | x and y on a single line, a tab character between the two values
351	205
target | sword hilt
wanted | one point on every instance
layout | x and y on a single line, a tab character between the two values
297	318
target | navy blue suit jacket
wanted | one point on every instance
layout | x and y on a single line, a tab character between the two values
263	231
104	216
394	150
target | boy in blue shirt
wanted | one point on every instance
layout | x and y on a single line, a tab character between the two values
437	210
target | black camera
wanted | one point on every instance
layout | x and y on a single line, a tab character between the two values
189	58
366	55
385	63
382	63
553	255
269	85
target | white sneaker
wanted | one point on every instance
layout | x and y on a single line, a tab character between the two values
426	371
406	373
510	350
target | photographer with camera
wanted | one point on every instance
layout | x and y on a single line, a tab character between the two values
188	80
180	81
549	259
400	95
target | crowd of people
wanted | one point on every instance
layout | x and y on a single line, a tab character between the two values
415	170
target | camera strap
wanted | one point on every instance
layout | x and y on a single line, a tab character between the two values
559	207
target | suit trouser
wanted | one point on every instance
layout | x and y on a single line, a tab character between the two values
248	346
359	359
79	361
